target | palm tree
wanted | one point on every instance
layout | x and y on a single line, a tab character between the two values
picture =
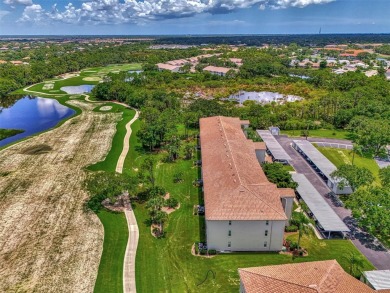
355	149
355	261
302	222
160	217
154	205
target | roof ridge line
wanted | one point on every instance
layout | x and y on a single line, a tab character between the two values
230	150
263	200
327	272
273	278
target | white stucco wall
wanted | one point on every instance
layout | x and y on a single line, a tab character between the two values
245	235
260	154
287	203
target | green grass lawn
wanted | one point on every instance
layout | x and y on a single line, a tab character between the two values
109	163
84	78
167	265
342	156
109	277
323	133
4	133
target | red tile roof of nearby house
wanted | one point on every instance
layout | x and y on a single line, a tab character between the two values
311	277
235	187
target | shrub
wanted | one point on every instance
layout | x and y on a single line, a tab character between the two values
212	252
196	247
171	202
203	251
293	245
291	228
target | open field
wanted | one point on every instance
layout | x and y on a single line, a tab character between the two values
341	156
48	243
160	261
323	133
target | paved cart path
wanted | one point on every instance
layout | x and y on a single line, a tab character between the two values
132	242
367	244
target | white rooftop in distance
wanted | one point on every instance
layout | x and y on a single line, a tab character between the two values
272	144
325	215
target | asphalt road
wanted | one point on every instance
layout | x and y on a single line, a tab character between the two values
368	245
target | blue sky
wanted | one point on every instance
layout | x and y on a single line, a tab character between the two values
193	16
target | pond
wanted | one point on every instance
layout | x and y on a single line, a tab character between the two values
33	115
79	89
263	97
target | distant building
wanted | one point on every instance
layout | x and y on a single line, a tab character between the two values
316	277
221	71
169	67
243	210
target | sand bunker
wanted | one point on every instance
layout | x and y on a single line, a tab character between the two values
105	108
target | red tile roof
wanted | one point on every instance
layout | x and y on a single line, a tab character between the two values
317	276
235	187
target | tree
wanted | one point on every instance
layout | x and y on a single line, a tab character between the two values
323	64
278	175
370	207
148	169
104	185
355	262
372	134
384	175
302	221
353	176
160	218
189	151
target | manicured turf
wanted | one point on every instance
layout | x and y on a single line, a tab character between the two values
109	277
167	265
109	163
340	156
89	76
4	133
324	133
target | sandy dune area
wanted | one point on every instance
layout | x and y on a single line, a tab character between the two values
48	243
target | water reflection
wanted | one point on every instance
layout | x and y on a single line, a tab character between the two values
79	89
32	115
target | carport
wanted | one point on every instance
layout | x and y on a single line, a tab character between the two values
327	221
274	148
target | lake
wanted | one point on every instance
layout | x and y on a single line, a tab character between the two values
33	115
79	89
263	97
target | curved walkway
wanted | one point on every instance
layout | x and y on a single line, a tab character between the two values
132	242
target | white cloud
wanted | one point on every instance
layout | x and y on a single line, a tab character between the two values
3	13
137	11
18	2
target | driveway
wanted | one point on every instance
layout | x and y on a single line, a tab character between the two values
368	245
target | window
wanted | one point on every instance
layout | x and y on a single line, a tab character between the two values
229	244
230	223
230	233
265	243
266	233
267	222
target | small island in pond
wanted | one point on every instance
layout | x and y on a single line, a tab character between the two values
5	133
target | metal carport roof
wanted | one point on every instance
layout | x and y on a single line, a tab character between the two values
318	159
325	215
274	147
